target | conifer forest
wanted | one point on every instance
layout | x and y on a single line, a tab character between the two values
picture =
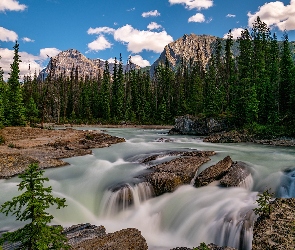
253	88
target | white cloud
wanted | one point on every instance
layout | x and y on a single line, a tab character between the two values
7	35
11	5
276	14
135	40
48	52
100	30
26	60
138	60
198	18
28	40
101	43
139	40
151	13
230	15
236	33
154	26
194	4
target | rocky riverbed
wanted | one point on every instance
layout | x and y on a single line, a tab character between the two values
21	146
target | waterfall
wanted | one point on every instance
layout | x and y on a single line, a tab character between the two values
125	197
247	183
287	186
96	191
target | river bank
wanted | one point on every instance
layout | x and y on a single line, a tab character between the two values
21	146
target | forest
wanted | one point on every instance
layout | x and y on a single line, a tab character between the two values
254	90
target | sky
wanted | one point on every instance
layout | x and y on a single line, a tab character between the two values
139	29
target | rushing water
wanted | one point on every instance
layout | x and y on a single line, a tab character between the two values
185	217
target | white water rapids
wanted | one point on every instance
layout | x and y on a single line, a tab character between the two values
185	217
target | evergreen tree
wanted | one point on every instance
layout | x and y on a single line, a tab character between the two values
32	205
286	85
2	97
32	111
246	103
230	72
15	109
272	88
104	98
261	44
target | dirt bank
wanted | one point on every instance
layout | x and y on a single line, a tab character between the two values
24	145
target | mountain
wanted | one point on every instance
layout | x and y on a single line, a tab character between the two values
187	47
67	62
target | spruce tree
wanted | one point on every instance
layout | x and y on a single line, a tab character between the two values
286	86
15	109
2	97
31	206
104	97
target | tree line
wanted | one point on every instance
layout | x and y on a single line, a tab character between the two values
253	87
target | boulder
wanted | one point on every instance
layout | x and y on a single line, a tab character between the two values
238	175
278	230
199	126
77	234
230	137
210	246
129	238
214	173
228	173
167	176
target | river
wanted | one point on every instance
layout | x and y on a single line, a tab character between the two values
185	217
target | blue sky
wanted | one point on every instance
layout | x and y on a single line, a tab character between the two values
136	28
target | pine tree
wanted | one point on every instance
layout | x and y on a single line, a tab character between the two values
246	103
261	44
272	88
230	72
104	97
2	97
32	111
31	206
15	109
286	87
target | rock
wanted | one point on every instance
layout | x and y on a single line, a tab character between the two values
190	125
230	137
188	47
72	61
213	173
14	163
237	176
278	230
25	145
77	234
209	246
129	238
163	140
167	176
196	153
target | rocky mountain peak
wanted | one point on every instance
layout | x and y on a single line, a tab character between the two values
71	61
188	47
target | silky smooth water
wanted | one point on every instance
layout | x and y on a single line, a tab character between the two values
185	217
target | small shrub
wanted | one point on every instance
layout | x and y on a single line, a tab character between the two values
264	208
2	141
11	145
203	246
89	136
